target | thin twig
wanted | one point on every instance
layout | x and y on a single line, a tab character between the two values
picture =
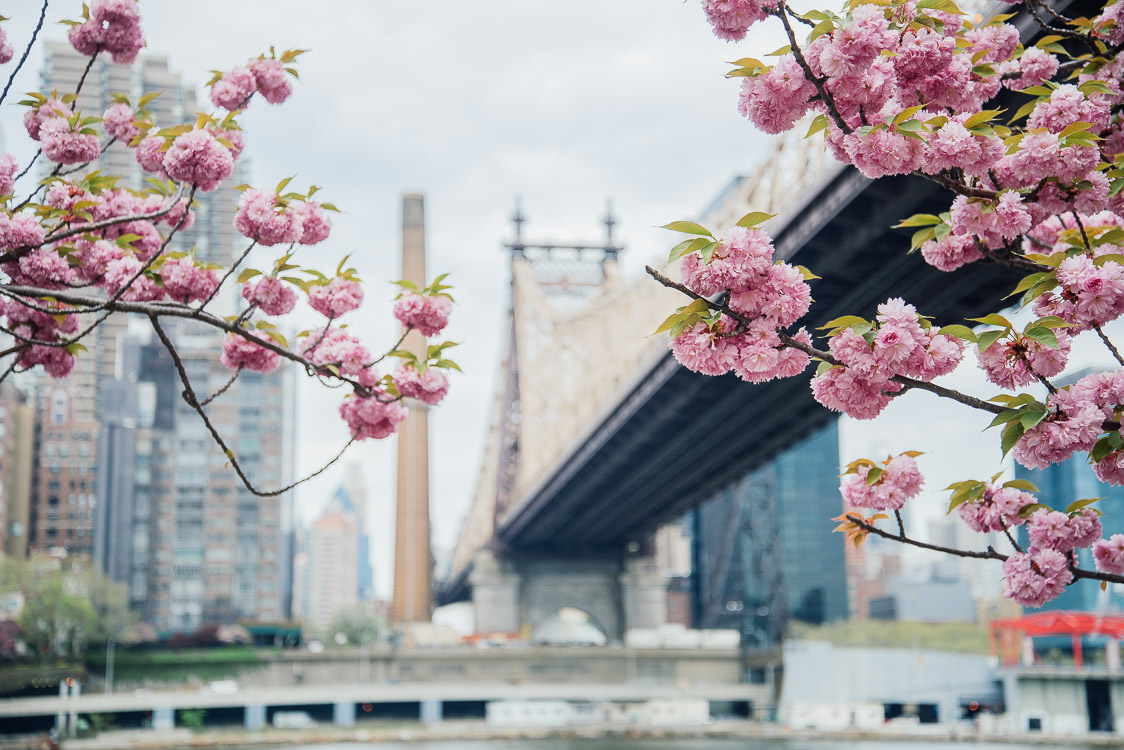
231	270
1011	539
82	80
1111	347
989	554
26	52
224	389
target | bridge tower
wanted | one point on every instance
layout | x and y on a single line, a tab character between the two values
413	567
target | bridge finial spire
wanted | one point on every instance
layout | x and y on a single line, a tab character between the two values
609	222
517	218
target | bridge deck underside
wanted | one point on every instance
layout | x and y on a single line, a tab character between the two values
679	436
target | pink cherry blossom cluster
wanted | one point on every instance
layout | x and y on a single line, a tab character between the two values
270	220
1073	422
27	323
119	121
770	295
996	509
337	297
6	51
427	314
731	19
113	26
184	280
1040	574
1052	529
270	295
239	352
238	85
1108	554
861	386
429	386
335	347
898	481
375	416
1033	578
1018	360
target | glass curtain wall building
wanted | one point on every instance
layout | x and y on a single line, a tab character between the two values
764	551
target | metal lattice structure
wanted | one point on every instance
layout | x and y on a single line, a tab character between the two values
564	368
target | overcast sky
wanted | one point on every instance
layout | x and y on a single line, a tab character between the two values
566	104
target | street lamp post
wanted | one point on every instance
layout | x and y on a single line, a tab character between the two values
110	653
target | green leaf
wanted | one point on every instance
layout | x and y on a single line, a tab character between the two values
873	476
247	274
988	338
1022	484
687	227
919	220
819	122
808	275
1077	505
994	319
685	248
1027	510
979	118
754	218
1076	127
844	322
1030	281
1011	436
960	332
823	27
1003	417
707	251
1042	335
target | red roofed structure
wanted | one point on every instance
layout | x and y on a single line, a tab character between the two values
1007	635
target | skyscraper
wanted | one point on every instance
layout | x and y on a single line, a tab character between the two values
413	573
62	512
333	561
17	443
764	548
174	521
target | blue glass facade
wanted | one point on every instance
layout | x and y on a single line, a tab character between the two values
764	550
1061	484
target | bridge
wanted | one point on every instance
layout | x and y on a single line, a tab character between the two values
600	437
337	684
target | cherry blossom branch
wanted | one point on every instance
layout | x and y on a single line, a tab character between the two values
9	370
1011	538
957	186
224	389
27	169
989	554
192	400
821	89
1112	348
106	223
231	270
165	309
82	80
963	398
26	52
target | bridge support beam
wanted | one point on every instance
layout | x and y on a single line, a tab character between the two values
163	718
254	717
512	595
343	714
431	711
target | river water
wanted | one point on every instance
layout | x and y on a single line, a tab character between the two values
676	744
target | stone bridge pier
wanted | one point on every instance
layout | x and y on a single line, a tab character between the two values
511	593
